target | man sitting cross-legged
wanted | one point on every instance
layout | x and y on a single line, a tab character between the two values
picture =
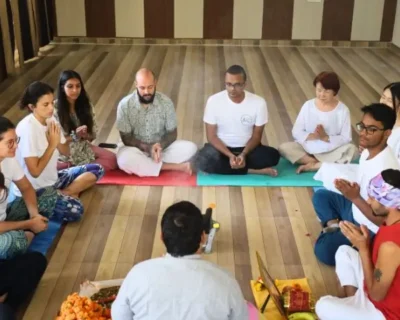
370	278
351	205
235	120
147	124
180	285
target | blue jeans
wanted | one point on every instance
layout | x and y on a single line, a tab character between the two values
330	205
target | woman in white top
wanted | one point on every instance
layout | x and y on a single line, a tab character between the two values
21	219
322	131
391	97
38	151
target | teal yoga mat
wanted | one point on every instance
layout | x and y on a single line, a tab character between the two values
287	177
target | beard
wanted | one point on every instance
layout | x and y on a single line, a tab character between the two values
147	98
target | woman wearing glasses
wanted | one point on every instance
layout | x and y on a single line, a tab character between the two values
76	116
322	131
26	216
40	146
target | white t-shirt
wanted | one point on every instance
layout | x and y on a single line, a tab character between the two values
367	170
394	142
235	121
12	171
337	125
34	143
179	289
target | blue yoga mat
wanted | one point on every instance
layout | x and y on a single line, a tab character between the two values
43	241
287	177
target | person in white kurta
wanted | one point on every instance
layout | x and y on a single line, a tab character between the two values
147	124
181	285
322	131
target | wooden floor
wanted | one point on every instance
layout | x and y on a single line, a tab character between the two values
121	224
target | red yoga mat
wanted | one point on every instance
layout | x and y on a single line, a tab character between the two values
166	178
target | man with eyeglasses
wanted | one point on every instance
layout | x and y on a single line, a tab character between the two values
235	121
351	205
147	124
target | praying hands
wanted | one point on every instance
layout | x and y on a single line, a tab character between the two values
358	236
319	134
350	190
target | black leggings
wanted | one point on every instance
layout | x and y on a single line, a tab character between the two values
19	277
210	160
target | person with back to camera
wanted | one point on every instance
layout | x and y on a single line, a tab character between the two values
181	285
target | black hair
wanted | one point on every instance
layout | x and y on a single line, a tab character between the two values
392	177
382	113
182	228
3	188
236	69
33	93
394	88
5	125
82	104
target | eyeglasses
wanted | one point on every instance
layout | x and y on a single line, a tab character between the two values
370	130
234	85
11	143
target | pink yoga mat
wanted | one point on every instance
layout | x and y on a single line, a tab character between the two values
253	312
166	178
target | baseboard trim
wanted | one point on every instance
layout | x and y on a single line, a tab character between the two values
216	42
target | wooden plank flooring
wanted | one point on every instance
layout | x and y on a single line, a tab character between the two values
121	223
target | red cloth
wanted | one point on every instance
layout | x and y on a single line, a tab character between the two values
390	306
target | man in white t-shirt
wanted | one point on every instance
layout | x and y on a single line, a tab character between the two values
235	120
331	207
181	285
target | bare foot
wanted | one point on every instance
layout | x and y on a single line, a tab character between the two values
312	166
266	171
183	167
67	193
187	167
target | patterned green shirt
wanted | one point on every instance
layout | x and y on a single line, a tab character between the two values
148	124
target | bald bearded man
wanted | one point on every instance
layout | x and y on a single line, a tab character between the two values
147	124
